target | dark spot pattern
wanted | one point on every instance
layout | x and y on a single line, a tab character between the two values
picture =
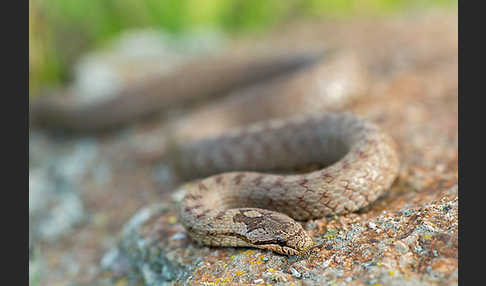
252	223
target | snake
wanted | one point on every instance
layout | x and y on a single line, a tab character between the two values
244	186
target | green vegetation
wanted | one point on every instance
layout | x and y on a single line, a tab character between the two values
61	30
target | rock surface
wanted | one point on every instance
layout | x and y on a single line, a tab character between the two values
408	237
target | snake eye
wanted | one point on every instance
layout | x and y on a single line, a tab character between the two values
280	241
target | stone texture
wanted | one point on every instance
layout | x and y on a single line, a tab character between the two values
129	234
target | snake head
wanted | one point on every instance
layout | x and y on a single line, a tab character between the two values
273	231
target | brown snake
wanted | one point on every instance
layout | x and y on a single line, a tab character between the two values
245	208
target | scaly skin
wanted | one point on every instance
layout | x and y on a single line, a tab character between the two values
252	209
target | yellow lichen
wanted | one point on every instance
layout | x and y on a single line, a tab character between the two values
427	236
331	233
238	273
249	252
227	280
121	282
218	281
172	219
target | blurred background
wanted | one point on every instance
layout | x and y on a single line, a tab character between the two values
84	189
60	31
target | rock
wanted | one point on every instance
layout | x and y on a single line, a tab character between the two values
400	246
408	237
54	202
295	273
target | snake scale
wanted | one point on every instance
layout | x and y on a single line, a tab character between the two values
238	205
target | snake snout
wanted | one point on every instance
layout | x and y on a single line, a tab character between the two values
297	241
301	242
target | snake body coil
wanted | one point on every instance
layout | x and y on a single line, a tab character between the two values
252	209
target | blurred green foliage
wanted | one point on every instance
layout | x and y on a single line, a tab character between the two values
61	30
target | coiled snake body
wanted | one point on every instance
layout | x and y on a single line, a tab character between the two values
255	210
240	207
